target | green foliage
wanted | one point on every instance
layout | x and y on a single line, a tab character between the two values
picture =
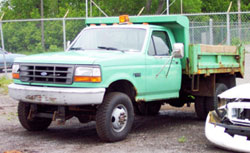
115	7
16	9
222	5
235	41
26	36
182	139
73	27
4	82
193	6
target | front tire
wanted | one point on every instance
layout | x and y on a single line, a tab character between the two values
35	124
114	117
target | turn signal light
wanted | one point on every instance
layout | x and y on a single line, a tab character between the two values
87	79
15	75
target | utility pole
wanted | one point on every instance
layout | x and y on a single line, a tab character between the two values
42	26
181	7
239	20
86	8
167	3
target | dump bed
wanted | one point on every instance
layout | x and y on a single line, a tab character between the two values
209	59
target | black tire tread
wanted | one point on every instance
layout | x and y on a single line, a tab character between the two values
37	124
212	102
100	120
102	126
200	107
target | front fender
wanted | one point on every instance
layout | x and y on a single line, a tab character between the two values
120	76
128	73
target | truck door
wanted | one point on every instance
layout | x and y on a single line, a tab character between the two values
162	82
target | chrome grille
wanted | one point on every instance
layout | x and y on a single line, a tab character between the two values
41	73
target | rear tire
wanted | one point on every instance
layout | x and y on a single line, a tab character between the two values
36	124
213	102
114	117
205	104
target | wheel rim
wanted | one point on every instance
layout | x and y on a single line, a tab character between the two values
119	118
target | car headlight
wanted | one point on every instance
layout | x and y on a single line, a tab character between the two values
87	74
15	71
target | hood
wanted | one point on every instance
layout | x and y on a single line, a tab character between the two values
57	57
103	57
240	91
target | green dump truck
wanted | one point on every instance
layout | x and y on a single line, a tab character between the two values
120	66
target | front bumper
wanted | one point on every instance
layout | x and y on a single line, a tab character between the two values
219	135
56	96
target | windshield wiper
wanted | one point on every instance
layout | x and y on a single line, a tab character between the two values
109	48
76	48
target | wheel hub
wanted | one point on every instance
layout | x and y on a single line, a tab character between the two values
119	118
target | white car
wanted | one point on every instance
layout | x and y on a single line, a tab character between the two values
229	126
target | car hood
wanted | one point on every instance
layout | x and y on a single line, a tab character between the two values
240	91
106	58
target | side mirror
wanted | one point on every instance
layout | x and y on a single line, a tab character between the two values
178	50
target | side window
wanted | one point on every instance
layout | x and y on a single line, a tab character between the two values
151	49
159	44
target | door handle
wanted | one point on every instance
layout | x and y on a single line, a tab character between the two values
176	62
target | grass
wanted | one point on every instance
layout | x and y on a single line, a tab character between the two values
4	82
182	139
11	116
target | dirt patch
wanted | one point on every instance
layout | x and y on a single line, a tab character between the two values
173	130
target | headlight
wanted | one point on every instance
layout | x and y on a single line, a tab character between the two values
15	71
87	74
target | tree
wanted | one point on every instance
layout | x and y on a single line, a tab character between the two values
189	6
222	5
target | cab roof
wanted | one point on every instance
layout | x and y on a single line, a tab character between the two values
177	20
141	26
178	24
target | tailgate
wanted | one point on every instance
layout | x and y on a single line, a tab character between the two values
210	59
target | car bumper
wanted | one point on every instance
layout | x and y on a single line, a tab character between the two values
217	135
56	96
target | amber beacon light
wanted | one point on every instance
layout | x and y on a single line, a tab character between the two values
123	19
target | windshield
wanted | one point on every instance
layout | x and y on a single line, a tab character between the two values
123	39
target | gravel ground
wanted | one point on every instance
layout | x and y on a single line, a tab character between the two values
173	130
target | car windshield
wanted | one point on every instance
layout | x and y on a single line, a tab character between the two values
122	39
